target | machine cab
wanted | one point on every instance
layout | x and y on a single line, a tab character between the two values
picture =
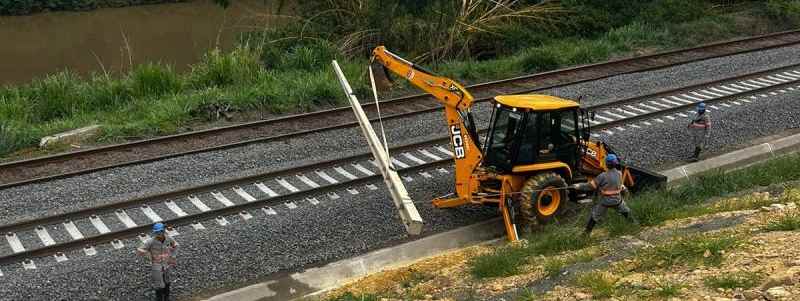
532	129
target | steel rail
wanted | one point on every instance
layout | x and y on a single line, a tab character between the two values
107	237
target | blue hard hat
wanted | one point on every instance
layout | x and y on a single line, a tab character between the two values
158	228
612	158
701	106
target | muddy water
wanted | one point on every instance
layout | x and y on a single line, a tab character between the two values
177	33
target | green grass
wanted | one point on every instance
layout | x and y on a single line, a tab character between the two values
507	261
554	266
742	279
527	295
601	284
689	251
789	222
351	297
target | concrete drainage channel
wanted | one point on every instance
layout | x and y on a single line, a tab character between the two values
311	282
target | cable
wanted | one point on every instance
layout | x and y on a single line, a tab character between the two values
378	108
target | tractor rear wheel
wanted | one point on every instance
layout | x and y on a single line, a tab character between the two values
543	197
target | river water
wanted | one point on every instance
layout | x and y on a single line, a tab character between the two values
113	38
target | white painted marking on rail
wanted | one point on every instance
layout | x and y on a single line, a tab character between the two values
28	264
692	97
763	95
152	215
428	154
790	89
396	162
745	100
670	102
198	226
44	236
651	108
117	244
594	122
14	242
618	116
60	257
73	230
786	77
444	151
326	177
291	205
124	218
98	224
685	101
312	201
607	132
782	91
222	199
143	237
711	93
425	174
242	193
742	88
772	82
269	211
732	89
352	191
701	95
307	181
634	126
754	84
619	128
637	109
264	188
175	208
773	93
245	215
1	273
660	104
646	123
682	115
669	117
790	75
724	92
89	251
778	79
199	204
333	195
659	120
345	173
603	117
287	185
442	170
407	178
726	105
714	107
412	158
794	72
222	221
374	163
363	169
371	187
595	135
627	112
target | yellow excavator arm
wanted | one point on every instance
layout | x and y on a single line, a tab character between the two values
447	91
460	123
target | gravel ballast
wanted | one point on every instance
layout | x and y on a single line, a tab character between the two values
247	251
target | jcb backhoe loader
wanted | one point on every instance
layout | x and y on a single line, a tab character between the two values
536	145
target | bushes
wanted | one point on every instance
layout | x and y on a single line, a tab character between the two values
784	10
218	69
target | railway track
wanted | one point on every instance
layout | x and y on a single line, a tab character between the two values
70	164
281	191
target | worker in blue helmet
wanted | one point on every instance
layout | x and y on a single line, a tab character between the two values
699	129
161	250
609	186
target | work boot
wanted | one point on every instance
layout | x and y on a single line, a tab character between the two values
628	216
159	294
696	155
589	226
166	292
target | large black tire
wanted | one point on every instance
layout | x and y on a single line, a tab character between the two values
543	197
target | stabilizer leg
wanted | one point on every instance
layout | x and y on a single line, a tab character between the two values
449	203
508	220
